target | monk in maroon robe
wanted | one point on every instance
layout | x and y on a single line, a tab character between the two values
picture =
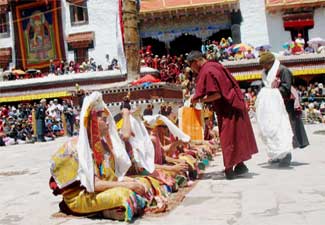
217	87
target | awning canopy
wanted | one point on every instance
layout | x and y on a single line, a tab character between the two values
298	20
81	40
273	5
31	97
166	5
298	23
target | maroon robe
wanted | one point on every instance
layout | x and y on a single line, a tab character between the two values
236	134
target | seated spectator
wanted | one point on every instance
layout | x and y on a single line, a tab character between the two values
287	51
230	41
2	142
313	115
239	55
100	68
299	40
148	110
102	189
224	43
249	55
113	65
92	64
297	49
321	49
309	50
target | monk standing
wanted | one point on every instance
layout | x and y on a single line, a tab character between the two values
217	87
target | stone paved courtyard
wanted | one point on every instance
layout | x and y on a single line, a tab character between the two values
266	196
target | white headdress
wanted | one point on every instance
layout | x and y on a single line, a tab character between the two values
86	165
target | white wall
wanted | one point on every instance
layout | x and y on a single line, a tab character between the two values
319	27
8	42
102	21
277	35
254	27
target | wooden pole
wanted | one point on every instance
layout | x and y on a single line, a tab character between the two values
64	124
131	38
34	124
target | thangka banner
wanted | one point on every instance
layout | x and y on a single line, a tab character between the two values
38	33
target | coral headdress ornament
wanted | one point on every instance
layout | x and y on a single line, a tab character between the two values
95	103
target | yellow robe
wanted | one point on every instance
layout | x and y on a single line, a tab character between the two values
78	199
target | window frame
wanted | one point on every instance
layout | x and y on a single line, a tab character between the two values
73	11
5	34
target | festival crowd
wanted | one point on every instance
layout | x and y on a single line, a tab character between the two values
58	68
170	66
16	123
311	97
124	166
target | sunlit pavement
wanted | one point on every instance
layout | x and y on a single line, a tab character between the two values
266	196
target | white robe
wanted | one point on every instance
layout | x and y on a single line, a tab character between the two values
272	117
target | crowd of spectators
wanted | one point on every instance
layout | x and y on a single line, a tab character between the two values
57	68
226	50
312	101
16	123
16	120
170	66
299	46
89	65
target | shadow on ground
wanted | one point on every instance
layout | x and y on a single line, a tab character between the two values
275	166
319	132
220	175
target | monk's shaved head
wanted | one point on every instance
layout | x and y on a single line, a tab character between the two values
195	60
194	55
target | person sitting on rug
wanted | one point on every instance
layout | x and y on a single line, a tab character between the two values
89	169
141	152
171	158
140	148
162	161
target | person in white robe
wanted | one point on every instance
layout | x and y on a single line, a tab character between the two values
272	117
